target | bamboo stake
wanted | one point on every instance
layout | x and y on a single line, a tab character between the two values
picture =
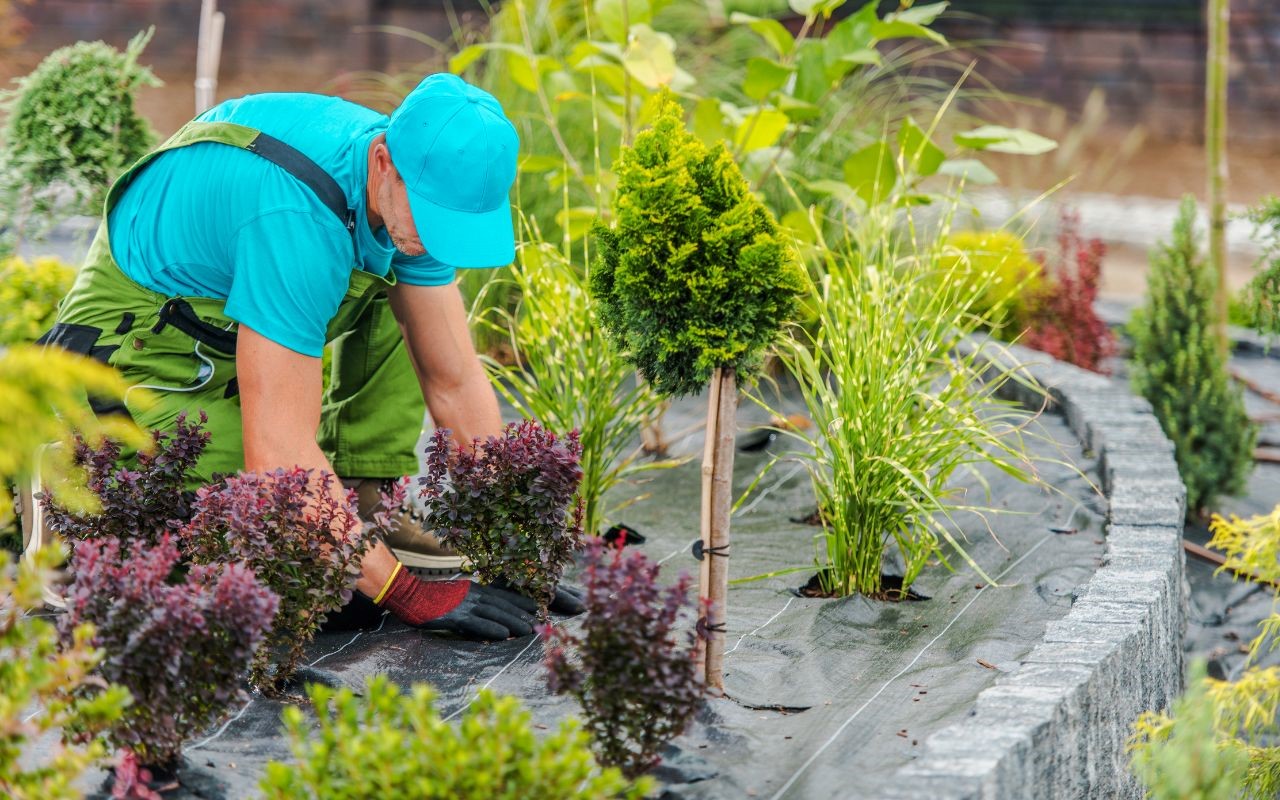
1215	145
708	474
717	560
208	54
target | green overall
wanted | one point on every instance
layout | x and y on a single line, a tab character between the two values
183	350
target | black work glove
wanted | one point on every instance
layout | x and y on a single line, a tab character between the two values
569	600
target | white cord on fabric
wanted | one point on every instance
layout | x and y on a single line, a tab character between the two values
205	375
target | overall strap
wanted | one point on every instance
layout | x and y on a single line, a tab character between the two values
308	172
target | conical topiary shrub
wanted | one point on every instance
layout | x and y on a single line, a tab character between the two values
1178	367
694	282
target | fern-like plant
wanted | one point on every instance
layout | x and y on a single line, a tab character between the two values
1220	739
1178	366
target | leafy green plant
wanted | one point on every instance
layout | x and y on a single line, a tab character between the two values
41	689
996	268
695	275
564	373
1178	367
301	542
70	129
898	406
507	504
395	747
636	680
29	293
1220	738
180	643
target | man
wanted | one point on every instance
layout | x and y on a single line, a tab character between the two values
275	223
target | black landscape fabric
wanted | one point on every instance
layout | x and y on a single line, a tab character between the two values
823	697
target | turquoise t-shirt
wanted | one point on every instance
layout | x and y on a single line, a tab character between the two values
212	220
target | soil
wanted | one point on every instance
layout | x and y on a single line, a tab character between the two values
891	590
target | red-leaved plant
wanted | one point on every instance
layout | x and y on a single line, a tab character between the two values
630	668
180	643
1063	322
138	504
300	541
507	504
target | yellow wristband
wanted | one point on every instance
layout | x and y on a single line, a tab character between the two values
377	601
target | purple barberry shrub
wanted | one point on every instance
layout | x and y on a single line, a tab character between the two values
298	538
630	667
508	504
180	643
139	504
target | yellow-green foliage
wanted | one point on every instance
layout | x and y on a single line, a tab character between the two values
29	294
695	274
1221	734
393	747
41	398
38	689
995	268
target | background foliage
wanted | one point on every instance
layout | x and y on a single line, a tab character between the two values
29	294
70	130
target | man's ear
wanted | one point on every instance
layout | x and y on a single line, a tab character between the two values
382	158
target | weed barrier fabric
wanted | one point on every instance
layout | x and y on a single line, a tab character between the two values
823	697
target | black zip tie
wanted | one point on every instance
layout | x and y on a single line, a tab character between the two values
706	629
699	549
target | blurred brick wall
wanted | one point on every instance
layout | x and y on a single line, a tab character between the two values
1151	65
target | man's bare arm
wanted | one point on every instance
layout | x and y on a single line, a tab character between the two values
280	405
458	394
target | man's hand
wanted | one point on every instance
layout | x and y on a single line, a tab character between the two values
462	607
569	600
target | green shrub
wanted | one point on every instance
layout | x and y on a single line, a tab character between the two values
1260	301
995	267
29	294
40	687
1178	366
695	275
569	377
396	747
71	129
898	405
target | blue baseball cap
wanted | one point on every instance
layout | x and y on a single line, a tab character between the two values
456	150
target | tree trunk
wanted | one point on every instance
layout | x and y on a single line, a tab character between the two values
717	501
1218	15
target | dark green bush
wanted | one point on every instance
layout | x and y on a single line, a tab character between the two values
393	747
1179	368
694	275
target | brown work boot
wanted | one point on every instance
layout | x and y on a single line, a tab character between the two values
413	544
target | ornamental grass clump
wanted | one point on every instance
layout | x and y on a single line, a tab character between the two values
568	376
71	128
179	640
507	504
1179	367
35	673
630	667
304	543
142	502
392	746
899	406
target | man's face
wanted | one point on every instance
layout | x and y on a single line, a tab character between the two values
398	219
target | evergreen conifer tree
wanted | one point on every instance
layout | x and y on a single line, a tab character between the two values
1180	369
